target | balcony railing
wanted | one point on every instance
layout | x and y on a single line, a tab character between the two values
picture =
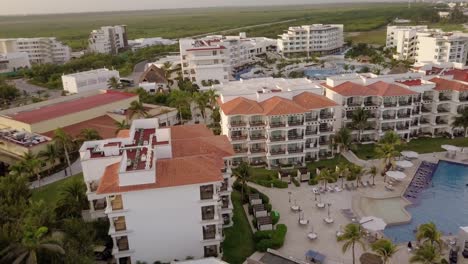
326	129
326	115
237	137
403	115
122	244
116	203
402	127
296	150
209	234
240	150
277	124
441	122
277	152
444	98
257	123
311	132
442	110
293	137
238	123
389	104
295	122
311	118
257	150
403	103
354	103
324	142
370	103
257	136
224	185
424	121
277	138
427	98
425	110
387	117
387	128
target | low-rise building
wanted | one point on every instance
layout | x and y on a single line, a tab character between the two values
153	79
108	39
276	122
88	80
140	43
160	186
316	38
39	50
14	61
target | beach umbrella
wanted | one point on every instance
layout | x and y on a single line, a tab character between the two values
373	223
397	175
404	164
410	154
450	148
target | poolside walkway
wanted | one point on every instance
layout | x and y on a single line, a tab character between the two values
76	168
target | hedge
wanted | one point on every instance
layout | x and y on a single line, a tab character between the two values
270	239
313	181
294	180
275	217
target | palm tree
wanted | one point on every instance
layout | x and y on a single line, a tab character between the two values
352	235
326	175
179	99
373	173
88	134
137	108
243	174
343	139
201	101
428	233
50	154
356	171
33	165
17	169
388	153
113	83
33	244
121	125
166	67
391	138
212	98
342	170
426	254
359	120
385	249
461	121
64	142
73	200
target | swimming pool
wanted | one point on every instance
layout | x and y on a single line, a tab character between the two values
445	203
320	74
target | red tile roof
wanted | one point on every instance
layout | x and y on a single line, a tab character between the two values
460	75
241	106
125	133
444	84
281	106
70	107
353	89
414	82
313	101
390	89
105	125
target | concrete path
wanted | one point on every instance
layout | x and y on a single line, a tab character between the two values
76	168
351	157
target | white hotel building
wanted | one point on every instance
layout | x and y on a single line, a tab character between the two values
217	57
316	38
14	61
166	191
276	121
39	50
404	39
108	39
88	80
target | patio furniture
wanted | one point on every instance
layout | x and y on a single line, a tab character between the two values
295	208
339	233
338	189
328	220
315	190
410	154
369	184
330	189
303	221
396	175
373	223
363	184
389	187
320	205
312	235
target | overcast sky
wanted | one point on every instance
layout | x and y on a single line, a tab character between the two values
9	7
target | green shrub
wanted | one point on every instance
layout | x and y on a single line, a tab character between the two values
275	217
313	181
254	222
279	184
270	239
268	207
294	180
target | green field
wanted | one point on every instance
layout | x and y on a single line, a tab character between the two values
74	28
369	37
51	193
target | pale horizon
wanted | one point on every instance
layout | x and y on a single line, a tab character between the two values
34	7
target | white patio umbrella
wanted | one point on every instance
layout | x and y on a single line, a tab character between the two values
450	148
373	223
397	175
404	164
410	154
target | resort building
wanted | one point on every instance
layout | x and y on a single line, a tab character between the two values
216	58
169	187
88	80
153	79
140	43
316	38
404	40
108	39
14	61
276	122
39	50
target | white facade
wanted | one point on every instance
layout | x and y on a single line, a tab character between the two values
12	62
442	47
108	39
159	206
316	38
140	43
404	40
216	57
39	50
88	80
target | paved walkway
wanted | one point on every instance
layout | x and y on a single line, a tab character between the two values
351	157
76	168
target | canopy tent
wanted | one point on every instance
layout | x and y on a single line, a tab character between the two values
373	223
410	154
397	175
450	148
404	164
315	257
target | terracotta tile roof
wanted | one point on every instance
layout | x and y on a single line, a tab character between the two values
414	82
241	106
153	75
390	89
281	106
125	133
460	75
218	145
444	84
105	125
169	173
70	107
313	101
190	131
353	89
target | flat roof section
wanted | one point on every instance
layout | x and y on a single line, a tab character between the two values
105	125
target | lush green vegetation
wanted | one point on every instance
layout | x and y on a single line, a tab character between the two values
420	145
50	193
270	238
370	37
238	244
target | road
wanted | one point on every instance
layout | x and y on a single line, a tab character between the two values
32	89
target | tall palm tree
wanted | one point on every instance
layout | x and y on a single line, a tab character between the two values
50	154
461	121
359	120
33	244
113	83
137	108
428	233
201	102
352	235
88	134
64	142
17	169
166	67
385	249
391	138
326	175
179	99
33	165
342	170
426	254
72	200
212	98
343	139
356	171
121	125
373	173
388	154
242	172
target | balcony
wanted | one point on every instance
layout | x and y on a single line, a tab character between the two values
257	123
324	142
295	137
403	115
257	150
274	152
225	202
402	127
209	232
313	118
240	150
208	212
295	150
206	192
442	110
238	137
427	98
463	98
238	124
277	124
119	224
326	115
424	121
389	104
370	103
388	117
311	132
295	123
444	98
441	122
387	128
326	129
122	243
224	185
354	103
277	138
425	110
403	103
93	185
116	203
257	136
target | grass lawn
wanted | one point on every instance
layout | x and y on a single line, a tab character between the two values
326	163
238	244
51	193
420	145
369	37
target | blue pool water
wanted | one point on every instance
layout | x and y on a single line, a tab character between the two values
445	204
320	73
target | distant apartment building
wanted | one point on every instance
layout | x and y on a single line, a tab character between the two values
404	39
216	58
14	61
108	39
39	50
274	122
88	80
166	191
316	38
